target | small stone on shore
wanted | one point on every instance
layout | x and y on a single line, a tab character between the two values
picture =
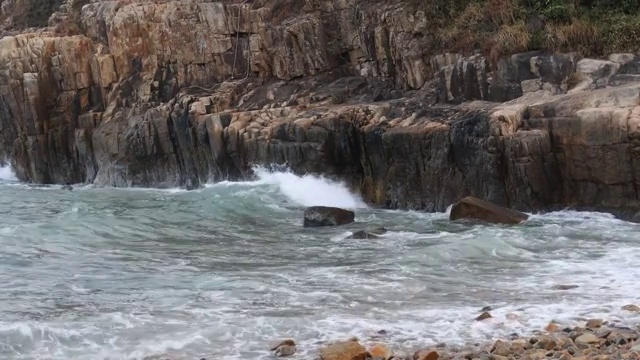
587	339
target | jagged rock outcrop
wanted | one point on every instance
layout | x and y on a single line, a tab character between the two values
182	92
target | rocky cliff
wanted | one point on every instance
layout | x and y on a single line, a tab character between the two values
178	93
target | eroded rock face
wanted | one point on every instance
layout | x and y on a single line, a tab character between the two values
178	93
317	216
478	209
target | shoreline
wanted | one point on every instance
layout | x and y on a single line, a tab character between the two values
593	339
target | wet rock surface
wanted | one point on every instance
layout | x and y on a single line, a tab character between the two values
478	209
317	216
579	343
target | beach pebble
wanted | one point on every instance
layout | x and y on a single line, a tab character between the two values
594	323
587	339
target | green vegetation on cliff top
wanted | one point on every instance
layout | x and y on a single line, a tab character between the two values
500	27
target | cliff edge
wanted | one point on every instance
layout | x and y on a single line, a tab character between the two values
178	93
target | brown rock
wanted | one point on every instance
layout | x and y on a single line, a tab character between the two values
500	349
631	308
594	323
316	216
552	327
474	208
426	355
344	350
284	348
380	351
484	316
545	343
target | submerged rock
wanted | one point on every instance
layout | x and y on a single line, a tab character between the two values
565	287
631	308
67	187
344	350
371	233
474	208
316	216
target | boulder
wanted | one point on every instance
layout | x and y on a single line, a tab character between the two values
344	350
380	352
426	355
316	216
474	208
284	348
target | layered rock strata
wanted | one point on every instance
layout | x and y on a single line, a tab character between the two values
179	93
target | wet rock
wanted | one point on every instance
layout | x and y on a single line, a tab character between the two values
380	352
317	216
67	187
344	350
594	323
587	339
284	348
631	308
565	287
371	233
484	316
474	208
545	343
426	355
499	348
486	309
552	327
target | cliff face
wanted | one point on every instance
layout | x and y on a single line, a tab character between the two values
183	92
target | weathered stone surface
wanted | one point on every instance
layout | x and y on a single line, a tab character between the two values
316	216
178	93
474	208
345	350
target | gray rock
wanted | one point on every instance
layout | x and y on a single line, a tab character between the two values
317	216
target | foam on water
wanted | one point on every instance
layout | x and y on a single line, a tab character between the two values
223	271
7	174
310	190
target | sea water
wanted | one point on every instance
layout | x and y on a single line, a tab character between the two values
224	271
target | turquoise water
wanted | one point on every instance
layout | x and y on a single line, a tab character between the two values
223	271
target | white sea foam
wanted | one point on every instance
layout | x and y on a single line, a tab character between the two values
310	190
7	174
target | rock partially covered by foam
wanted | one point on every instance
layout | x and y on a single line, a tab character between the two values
284	348
474	208
316	216
370	233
